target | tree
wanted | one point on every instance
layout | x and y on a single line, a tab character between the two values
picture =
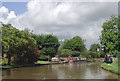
109	38
95	47
18	44
50	45
47	43
66	52
39	39
75	44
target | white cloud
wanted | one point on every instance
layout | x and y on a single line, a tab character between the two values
5	16
11	15
66	19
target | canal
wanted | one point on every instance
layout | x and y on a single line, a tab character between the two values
77	70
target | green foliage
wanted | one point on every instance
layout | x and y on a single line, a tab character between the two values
47	43
49	51
62	44
43	57
111	67
39	39
84	54
18	44
88	54
109	38
76	53
66	52
4	62
75	44
95	47
95	54
95	51
50	45
91	59
102	54
72	47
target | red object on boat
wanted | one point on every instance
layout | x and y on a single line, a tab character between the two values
70	59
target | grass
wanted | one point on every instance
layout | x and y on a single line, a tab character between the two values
114	67
7	66
41	62
26	65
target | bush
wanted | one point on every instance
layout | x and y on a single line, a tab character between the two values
84	54
76	53
102	54
44	57
4	62
66	52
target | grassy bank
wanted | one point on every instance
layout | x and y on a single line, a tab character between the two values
4	67
41	62
113	67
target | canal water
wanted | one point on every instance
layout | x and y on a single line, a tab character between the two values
77	70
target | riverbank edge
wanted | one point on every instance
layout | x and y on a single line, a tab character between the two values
38	64
28	65
109	68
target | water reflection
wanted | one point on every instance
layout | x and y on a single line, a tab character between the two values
78	70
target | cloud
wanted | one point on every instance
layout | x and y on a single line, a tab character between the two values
65	20
5	16
11	15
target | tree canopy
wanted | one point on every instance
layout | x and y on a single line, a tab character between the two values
109	38
75	44
95	47
47	43
18	44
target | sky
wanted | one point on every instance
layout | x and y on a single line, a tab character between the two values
61	18
18	7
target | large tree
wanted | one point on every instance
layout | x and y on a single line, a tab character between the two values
39	39
109	38
47	43
17	44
